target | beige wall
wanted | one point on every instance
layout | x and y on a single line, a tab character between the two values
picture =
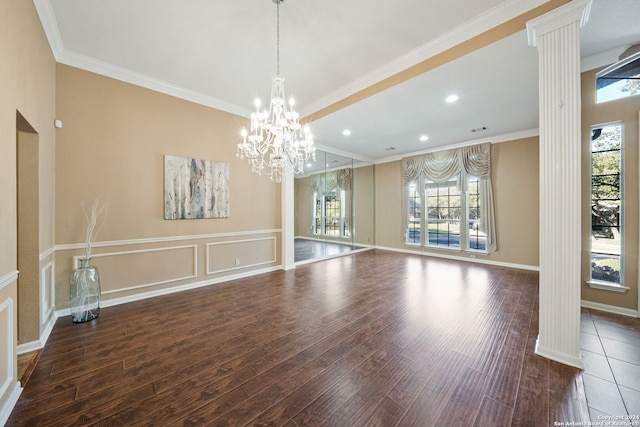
515	187
388	202
111	148
625	110
27	85
363	205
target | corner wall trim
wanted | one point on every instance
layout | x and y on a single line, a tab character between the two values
460	258
610	308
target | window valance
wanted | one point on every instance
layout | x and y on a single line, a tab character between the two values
340	179
460	163
474	160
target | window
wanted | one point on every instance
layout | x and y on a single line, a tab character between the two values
329	214
440	210
415	215
443	214
477	237
606	204
447	209
317	219
620	80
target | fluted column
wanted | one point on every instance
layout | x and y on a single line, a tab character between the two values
557	37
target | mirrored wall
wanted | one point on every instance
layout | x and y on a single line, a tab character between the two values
334	205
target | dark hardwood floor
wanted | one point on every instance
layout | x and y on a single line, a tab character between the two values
373	338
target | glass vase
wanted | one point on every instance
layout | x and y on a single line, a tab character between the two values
84	292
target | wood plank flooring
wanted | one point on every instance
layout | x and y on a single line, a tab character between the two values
374	338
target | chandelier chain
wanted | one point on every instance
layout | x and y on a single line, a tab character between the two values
277	38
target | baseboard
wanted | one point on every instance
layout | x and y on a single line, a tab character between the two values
461	258
40	343
10	403
558	357
609	308
173	290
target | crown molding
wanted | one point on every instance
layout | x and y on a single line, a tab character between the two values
485	21
50	26
481	23
83	62
512	136
123	74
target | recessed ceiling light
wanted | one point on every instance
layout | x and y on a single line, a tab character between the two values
346	132
309	165
424	138
451	98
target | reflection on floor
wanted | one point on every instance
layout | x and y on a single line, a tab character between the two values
306	249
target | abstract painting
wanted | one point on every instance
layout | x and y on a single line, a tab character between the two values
195	188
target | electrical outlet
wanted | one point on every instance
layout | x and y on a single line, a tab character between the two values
237	262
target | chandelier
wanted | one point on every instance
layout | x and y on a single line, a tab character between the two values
276	141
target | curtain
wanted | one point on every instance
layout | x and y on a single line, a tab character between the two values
460	163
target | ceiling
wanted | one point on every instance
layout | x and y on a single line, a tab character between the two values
223	54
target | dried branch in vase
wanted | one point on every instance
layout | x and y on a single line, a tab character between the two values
92	221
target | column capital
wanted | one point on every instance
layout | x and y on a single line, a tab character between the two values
575	10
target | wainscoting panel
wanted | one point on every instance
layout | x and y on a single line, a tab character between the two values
240	254
47	294
7	374
135	269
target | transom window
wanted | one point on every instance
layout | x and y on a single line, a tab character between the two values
620	80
